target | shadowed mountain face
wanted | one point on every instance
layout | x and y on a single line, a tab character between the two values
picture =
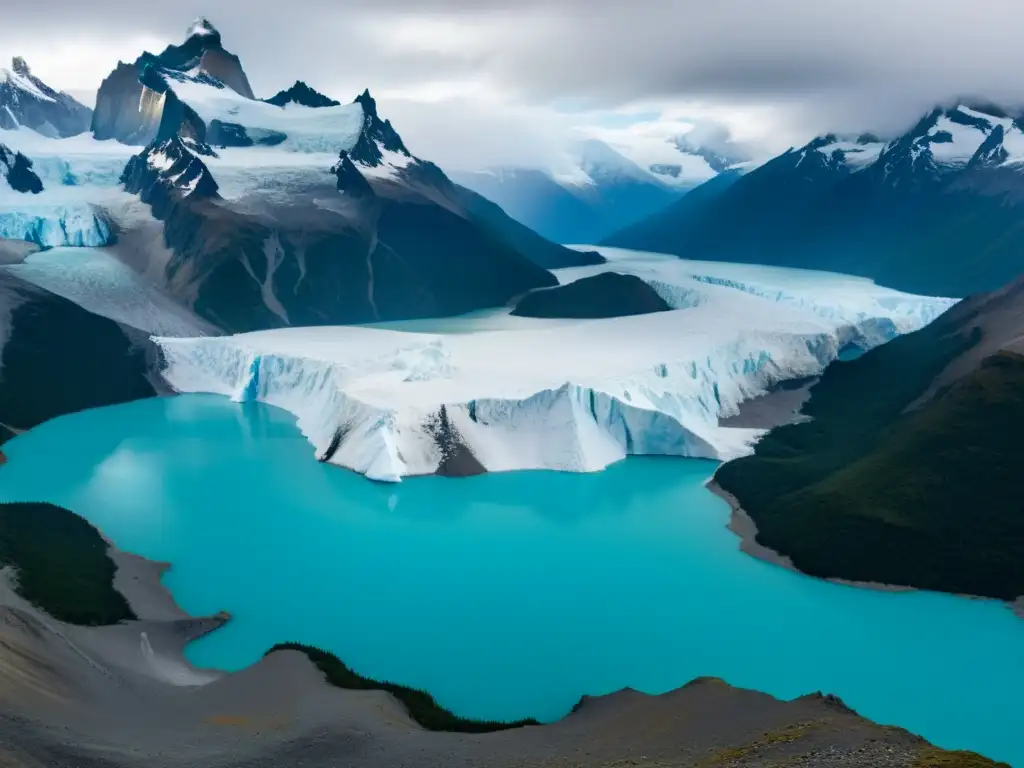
936	211
44	338
26	101
131	112
16	170
883	485
386	237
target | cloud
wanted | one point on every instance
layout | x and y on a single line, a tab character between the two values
478	80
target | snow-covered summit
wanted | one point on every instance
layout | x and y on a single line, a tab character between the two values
950	139
602	164
130	104
839	153
201	27
27	101
176	163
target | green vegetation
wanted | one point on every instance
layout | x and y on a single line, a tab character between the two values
768	740
61	564
868	490
933	757
873	491
420	705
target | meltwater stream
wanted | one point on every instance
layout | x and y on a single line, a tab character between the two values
507	595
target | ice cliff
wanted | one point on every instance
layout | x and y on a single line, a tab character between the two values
566	395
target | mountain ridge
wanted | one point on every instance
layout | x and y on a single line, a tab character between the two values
27	101
903	212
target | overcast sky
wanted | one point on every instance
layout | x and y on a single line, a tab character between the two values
470	83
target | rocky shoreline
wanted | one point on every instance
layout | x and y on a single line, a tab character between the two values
123	696
743	525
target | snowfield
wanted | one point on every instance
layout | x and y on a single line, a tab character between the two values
564	395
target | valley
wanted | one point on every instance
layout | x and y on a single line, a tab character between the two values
614	434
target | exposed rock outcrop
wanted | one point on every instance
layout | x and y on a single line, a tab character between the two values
608	294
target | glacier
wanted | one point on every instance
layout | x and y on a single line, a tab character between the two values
79	174
97	281
564	395
56	225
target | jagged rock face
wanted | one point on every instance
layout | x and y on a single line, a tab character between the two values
302	94
131	101
44	337
350	180
175	166
376	135
27	101
17	170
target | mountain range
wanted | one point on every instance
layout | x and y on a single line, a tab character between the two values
27	101
934	211
593	192
293	210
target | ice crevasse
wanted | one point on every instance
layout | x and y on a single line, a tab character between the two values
58	226
573	396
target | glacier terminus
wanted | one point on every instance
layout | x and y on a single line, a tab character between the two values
492	392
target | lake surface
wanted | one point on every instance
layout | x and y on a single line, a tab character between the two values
507	595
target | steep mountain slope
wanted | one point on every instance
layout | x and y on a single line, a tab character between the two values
740	218
538	249
26	101
597	192
908	472
129	109
263	238
940	209
660	231
533	197
56	358
935	211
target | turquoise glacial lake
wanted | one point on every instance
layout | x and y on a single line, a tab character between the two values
507	595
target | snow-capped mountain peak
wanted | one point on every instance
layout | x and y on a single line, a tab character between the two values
20	77
601	163
202	27
172	164
378	143
20	66
949	139
303	94
27	101
842	153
